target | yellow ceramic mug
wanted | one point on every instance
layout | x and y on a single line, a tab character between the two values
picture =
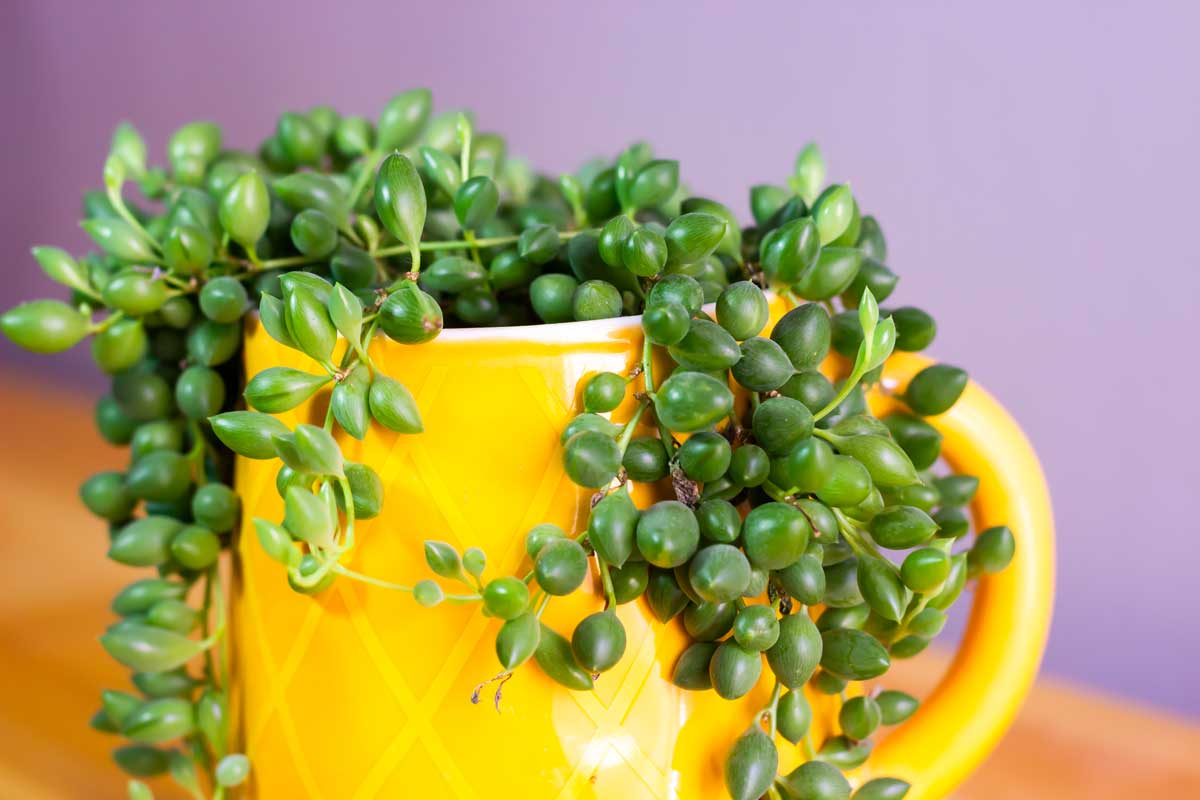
360	693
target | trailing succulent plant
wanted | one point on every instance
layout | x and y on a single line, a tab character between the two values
338	229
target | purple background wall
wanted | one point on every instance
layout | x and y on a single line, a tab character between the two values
1034	164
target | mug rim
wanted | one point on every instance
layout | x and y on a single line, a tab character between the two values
573	332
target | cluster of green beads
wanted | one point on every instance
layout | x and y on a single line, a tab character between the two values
324	232
786	507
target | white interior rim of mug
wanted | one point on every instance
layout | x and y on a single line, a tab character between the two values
557	332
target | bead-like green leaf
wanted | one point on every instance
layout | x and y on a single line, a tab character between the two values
751	765
301	191
654	184
306	516
245	210
881	588
853	655
128	145
144	648
279	389
309	323
346	311
61	268
476	202
349	402
393	406
833	212
809	172
691	237
518	640
44	326
441	168
318	451
400	201
402	120
635	157
232	770
277	543
270	312
119	239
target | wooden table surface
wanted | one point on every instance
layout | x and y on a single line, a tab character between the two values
1066	743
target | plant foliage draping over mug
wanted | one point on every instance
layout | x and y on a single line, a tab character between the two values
339	229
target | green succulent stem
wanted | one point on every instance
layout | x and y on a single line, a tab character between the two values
370	162
195	456
106	323
205	625
400	250
222	624
772	708
541	604
464	135
776	493
859	543
348	501
399	587
631	428
922	600
606	579
473	243
649	385
118	204
806	744
847	387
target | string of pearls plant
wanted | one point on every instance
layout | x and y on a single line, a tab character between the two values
339	228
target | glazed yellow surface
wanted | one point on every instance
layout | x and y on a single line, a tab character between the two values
360	693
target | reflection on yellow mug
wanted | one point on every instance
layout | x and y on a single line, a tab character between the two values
361	693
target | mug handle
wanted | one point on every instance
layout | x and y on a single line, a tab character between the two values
956	727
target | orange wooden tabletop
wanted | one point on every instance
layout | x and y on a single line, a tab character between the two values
1066	743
